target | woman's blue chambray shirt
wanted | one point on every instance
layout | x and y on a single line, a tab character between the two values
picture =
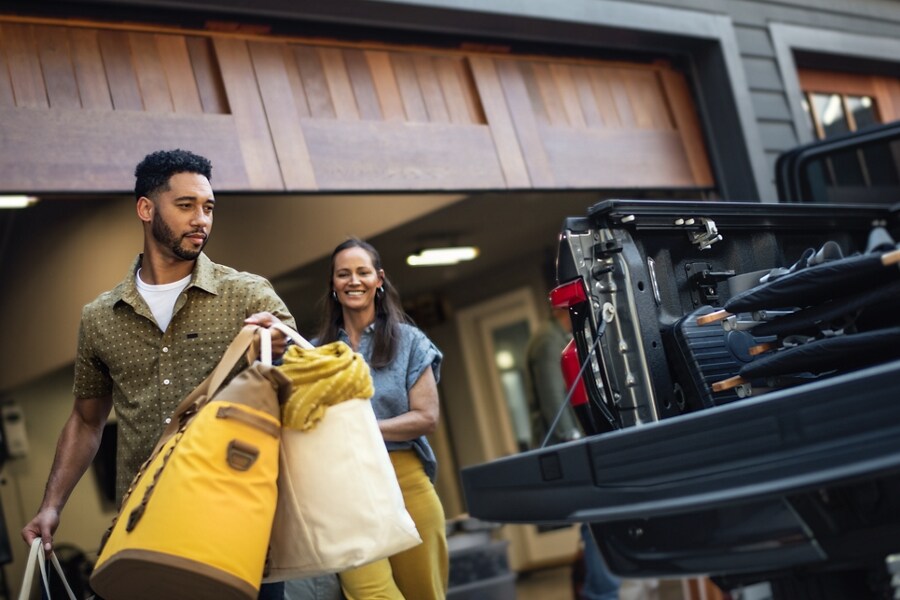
414	353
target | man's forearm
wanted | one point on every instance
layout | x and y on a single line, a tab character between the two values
75	450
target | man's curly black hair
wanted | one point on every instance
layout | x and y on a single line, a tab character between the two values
152	174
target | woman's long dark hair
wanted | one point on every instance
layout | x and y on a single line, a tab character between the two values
388	310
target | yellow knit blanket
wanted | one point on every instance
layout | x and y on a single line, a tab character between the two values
322	377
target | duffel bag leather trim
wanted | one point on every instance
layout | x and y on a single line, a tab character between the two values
137	570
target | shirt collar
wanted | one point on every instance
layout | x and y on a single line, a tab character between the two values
344	336
203	277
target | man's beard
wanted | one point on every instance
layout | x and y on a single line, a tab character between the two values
163	234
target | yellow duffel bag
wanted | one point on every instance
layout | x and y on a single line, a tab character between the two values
196	522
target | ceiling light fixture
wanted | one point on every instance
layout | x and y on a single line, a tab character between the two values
441	256
16	201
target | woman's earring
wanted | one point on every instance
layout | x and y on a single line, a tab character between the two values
381	289
334	295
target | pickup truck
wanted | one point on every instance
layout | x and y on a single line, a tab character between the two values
736	367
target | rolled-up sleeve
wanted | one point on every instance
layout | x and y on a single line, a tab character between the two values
423	353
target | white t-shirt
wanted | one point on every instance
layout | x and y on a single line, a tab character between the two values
161	298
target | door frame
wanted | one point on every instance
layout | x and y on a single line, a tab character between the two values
529	548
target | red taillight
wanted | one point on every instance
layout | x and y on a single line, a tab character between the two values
570	368
568	294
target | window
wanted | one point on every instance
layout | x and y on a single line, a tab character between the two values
842	104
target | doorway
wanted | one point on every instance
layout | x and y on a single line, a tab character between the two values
493	336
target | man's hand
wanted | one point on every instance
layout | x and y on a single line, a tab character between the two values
43	526
279	339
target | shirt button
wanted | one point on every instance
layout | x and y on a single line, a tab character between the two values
165	382
165	348
168	420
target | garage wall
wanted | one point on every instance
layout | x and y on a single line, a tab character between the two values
81	104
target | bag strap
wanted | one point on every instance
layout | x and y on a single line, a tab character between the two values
36	555
293	335
242	344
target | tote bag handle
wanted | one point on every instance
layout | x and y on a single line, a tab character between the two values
36	555
296	337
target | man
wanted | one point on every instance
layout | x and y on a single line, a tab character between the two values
148	342
547	393
545	385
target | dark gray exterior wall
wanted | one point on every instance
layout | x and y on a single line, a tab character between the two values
740	52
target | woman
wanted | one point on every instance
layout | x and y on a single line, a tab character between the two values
363	310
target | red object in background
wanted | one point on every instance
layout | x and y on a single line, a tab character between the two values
570	368
568	294
579	399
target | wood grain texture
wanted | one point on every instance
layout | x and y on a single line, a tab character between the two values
150	74
56	65
89	71
603	95
616	158
618	85
256	145
564	78
282	116
339	86
302	116
179	73
7	98
363	87
24	66
408	86
208	76
454	91
385	82
373	155
293	75
123	85
537	105
313	77
470	92
92	151
581	77
887	95
525	119
506	142
851	84
651	87
548	93
687	124
636	89
431	89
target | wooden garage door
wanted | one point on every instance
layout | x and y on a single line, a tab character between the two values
80	104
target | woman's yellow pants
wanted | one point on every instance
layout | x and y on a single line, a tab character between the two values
419	573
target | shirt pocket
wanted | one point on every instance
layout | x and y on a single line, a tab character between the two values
200	352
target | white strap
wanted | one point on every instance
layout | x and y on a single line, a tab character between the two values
296	337
265	346
36	555
62	576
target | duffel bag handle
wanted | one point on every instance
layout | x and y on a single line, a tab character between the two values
241	345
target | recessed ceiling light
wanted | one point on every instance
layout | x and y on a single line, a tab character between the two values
11	201
441	256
